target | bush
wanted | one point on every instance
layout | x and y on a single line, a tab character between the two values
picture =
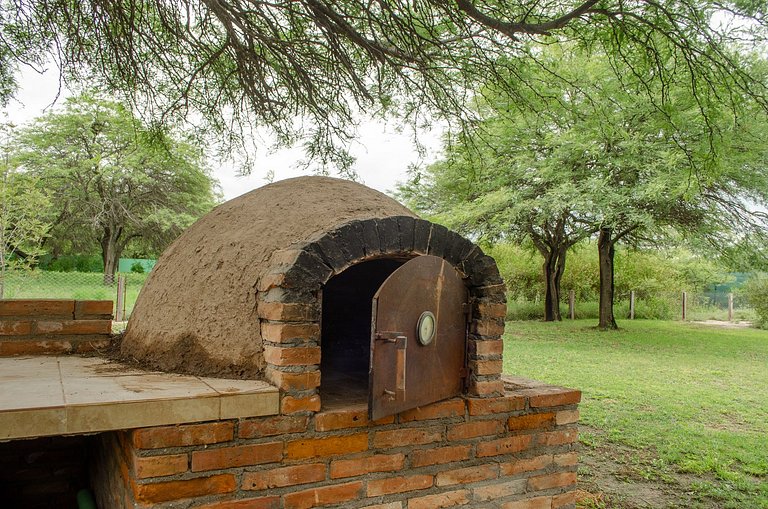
756	291
137	268
73	263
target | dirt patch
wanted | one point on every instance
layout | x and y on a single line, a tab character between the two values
612	476
741	324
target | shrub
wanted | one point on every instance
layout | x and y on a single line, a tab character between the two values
137	268
756	291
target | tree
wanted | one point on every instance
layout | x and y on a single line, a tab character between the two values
591	152
113	181
306	68
22	226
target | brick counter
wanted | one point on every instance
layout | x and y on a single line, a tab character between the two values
517	451
35	326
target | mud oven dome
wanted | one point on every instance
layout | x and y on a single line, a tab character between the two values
382	332
326	289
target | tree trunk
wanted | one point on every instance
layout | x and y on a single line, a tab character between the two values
554	266
605	249
110	253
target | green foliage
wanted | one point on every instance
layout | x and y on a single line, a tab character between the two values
137	268
114	183
756	291
72	263
692	396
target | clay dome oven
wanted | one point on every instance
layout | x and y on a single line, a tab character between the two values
325	288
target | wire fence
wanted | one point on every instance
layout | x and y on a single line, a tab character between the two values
41	284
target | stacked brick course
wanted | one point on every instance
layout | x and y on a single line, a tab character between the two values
516	451
33	327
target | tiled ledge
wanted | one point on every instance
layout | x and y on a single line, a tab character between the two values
43	396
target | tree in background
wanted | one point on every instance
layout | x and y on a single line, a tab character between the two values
323	62
22	212
111	180
589	153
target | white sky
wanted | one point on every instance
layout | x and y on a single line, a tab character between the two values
383	155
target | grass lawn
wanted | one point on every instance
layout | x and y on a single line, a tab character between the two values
70	285
685	404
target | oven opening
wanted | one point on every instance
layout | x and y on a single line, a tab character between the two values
345	340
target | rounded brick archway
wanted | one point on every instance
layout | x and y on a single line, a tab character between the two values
289	299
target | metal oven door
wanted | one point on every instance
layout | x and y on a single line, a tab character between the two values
418	337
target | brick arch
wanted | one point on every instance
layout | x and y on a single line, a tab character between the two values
288	299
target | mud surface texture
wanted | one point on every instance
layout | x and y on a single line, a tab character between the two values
197	311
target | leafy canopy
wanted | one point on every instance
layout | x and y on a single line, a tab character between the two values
306	68
112	181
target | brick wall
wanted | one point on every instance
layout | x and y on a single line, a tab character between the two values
31	327
517	451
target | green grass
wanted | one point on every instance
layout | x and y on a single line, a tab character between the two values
695	396
70	285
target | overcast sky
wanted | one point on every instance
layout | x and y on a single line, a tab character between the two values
383	155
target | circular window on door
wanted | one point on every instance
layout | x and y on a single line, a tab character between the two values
426	328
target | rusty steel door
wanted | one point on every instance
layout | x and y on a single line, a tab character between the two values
418	337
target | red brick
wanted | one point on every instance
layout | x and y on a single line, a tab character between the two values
486	388
391	505
271	426
285	476
399	485
545	482
406	436
244	503
294	381
238	456
440	410
93	308
561	437
567	417
488	327
568	459
467	475
501	490
530	503
490	310
159	466
75	327
487	347
29	347
503	445
37	307
271	280
298	356
83	345
288	312
446	499
292	405
324	447
485	367
531	421
350	417
283	257
15	328
495	405
474	429
526	465
553	397
366	465
563	500
290	332
179	436
440	455
324	495
176	490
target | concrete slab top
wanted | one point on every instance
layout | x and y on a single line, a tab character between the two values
47	395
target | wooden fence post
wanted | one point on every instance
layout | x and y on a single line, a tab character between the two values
685	304
730	307
120	303
632	305
572	304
